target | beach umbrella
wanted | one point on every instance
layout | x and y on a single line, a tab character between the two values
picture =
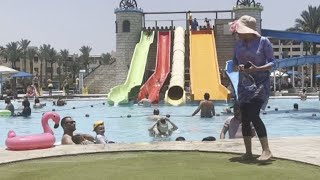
278	74
4	70
21	74
275	73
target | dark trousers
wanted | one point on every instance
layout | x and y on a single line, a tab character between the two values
250	112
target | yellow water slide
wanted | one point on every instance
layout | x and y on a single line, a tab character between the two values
204	67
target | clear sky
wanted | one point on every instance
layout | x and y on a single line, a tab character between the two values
70	24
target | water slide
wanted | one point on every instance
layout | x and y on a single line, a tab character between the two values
175	95
151	89
297	36
120	94
204	68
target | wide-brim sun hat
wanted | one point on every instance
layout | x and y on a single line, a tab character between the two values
245	25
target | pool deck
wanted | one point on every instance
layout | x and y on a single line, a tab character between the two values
302	149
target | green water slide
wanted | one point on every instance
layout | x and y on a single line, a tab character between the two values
120	94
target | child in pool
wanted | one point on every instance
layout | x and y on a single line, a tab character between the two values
99	128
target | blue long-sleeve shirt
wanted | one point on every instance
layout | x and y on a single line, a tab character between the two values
258	51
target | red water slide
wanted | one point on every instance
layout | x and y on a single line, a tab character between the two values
151	88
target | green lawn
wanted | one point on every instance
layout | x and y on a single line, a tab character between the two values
157	165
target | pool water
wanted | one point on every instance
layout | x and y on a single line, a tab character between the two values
121	129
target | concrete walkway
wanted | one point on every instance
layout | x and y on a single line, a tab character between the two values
304	149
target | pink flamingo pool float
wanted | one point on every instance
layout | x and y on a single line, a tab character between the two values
35	141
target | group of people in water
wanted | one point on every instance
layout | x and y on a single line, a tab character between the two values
26	111
162	127
69	138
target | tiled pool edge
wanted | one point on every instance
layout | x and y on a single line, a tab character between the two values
302	149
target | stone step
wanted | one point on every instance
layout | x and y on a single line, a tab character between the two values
102	79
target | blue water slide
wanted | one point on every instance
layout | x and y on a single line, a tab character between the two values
232	76
297	61
297	36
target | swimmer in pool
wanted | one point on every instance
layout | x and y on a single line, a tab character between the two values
145	102
206	107
162	128
155	115
303	96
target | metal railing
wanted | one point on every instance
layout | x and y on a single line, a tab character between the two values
88	73
112	60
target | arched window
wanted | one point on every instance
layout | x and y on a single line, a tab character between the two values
126	26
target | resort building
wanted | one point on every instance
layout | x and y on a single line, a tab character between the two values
290	49
33	66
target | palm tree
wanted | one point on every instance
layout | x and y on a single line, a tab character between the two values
32	52
44	56
53	57
64	56
41	56
3	52
85	56
74	67
307	48
309	22
24	43
13	53
106	58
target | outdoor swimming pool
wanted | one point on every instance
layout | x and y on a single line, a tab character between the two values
134	129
